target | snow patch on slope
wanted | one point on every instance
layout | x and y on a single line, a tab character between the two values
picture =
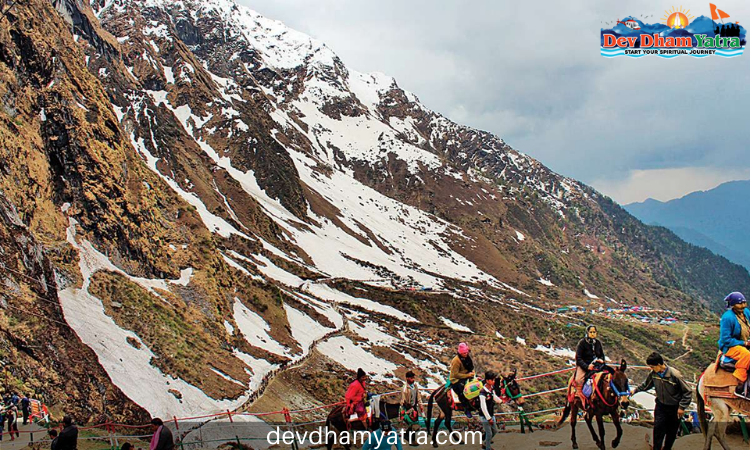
129	368
352	356
455	326
255	329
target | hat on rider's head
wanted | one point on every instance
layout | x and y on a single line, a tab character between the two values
360	373
734	298
463	348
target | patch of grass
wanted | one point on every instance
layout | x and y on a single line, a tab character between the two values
182	337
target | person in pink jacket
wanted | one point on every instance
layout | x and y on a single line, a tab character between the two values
356	394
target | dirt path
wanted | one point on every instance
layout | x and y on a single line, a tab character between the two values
688	348
24	439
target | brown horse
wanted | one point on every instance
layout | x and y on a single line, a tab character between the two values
611	392
337	420
506	388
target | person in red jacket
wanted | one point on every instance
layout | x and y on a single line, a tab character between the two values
356	394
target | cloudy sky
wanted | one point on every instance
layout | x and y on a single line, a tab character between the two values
532	74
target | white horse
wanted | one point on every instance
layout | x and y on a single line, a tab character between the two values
722	409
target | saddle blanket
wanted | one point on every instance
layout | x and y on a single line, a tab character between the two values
718	378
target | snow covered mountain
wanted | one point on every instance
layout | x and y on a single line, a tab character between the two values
221	199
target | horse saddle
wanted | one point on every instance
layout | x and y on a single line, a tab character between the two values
586	391
719	383
455	402
363	416
454	398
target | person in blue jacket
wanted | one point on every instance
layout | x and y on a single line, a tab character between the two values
734	338
384	438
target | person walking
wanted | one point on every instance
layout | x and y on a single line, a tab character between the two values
2	421
411	404
487	400
673	397
384	438
26	408
53	435
11	415
68	438
162	438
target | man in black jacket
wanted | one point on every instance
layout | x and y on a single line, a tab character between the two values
162	435
673	397
53	435
26	408
68	438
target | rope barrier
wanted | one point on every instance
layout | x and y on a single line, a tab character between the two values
534	394
556	372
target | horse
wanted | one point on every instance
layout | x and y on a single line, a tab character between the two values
338	419
611	392
722	409
507	389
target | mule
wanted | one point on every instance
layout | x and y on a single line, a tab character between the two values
337	419
611	392
506	388
722	409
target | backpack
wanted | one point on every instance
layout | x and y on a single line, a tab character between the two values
472	389
588	388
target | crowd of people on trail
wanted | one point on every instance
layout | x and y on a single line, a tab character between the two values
672	394
67	438
12	404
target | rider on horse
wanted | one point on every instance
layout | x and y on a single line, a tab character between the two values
356	395
589	359
462	369
733	338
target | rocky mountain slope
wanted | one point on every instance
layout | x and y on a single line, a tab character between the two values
708	219
198	197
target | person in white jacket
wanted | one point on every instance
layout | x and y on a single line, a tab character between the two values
487	400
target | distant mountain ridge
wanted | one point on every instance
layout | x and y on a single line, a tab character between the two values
711	219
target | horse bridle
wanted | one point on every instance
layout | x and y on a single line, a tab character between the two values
614	389
505	393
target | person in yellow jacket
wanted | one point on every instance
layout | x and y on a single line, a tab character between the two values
462	369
